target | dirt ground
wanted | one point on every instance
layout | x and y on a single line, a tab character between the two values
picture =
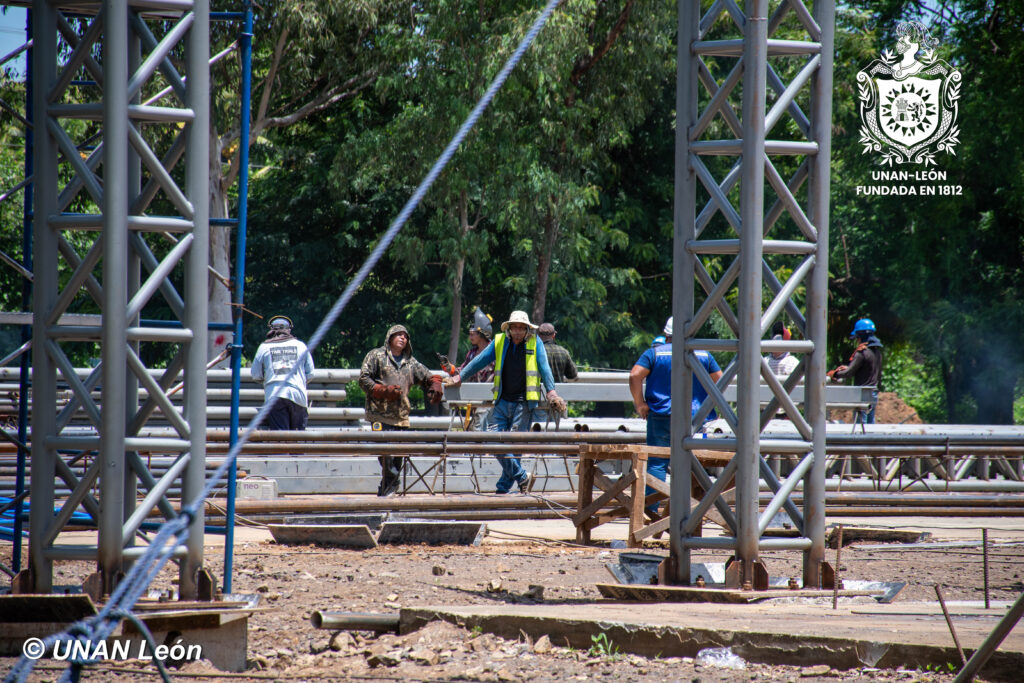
294	581
891	410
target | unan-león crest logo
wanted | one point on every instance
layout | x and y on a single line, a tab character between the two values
909	101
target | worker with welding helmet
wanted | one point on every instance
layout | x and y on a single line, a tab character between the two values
865	366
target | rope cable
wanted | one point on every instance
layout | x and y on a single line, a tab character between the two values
145	569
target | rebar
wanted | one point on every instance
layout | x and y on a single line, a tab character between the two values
949	622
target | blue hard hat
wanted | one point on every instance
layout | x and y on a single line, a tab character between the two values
658	341
863	325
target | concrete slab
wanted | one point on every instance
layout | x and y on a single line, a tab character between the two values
724	595
340	535
800	634
370	519
432	533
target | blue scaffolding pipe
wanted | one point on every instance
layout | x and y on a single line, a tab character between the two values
236	346
26	304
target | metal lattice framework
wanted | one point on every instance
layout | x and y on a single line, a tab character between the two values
728	56
118	218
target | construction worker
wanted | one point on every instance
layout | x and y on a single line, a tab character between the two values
480	332
865	366
520	369
782	363
562	367
654	402
386	376
275	358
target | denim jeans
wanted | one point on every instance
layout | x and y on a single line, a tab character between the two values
659	433
867	417
510	416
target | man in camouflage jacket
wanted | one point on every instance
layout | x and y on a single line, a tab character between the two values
387	374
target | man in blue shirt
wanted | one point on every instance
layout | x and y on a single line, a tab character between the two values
521	372
654	403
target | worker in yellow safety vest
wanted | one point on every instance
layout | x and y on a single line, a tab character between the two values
520	371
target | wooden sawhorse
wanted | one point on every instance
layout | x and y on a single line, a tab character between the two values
632	502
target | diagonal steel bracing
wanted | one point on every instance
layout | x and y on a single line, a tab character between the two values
772	63
108	184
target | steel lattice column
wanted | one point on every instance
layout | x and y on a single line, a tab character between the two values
724	160
101	75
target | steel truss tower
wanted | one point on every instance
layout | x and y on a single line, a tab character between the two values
751	202
121	197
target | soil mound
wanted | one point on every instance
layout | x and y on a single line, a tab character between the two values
891	410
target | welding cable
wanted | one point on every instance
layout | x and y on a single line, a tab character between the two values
536	539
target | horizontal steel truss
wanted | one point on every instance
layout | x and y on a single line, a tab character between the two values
92	72
707	43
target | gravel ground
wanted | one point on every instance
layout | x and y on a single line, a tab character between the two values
297	580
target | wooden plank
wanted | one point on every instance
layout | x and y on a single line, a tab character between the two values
658	485
586	495
651	529
713	458
587	512
636	515
604	483
611	451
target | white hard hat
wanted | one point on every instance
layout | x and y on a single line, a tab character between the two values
668	327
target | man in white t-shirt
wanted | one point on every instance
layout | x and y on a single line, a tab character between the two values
275	358
782	363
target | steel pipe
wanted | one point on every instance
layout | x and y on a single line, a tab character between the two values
355	621
402	449
373	503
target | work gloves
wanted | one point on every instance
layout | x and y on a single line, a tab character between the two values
831	374
390	392
436	391
555	402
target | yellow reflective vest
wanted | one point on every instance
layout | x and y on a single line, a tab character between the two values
532	371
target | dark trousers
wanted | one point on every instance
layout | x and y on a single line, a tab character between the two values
287	415
390	466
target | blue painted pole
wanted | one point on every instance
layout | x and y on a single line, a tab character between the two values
236	346
26	304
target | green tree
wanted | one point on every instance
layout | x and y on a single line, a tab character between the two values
526	183
945	272
308	58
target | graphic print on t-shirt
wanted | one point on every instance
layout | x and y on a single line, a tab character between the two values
283	359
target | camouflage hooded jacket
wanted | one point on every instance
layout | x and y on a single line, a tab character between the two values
381	367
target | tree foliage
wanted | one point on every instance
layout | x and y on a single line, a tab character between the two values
560	200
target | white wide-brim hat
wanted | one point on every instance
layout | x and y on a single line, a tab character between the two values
518	317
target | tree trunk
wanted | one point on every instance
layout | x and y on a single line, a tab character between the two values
458	268
540	292
220	253
949	386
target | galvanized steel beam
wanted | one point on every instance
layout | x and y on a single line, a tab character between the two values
735	227
114	205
